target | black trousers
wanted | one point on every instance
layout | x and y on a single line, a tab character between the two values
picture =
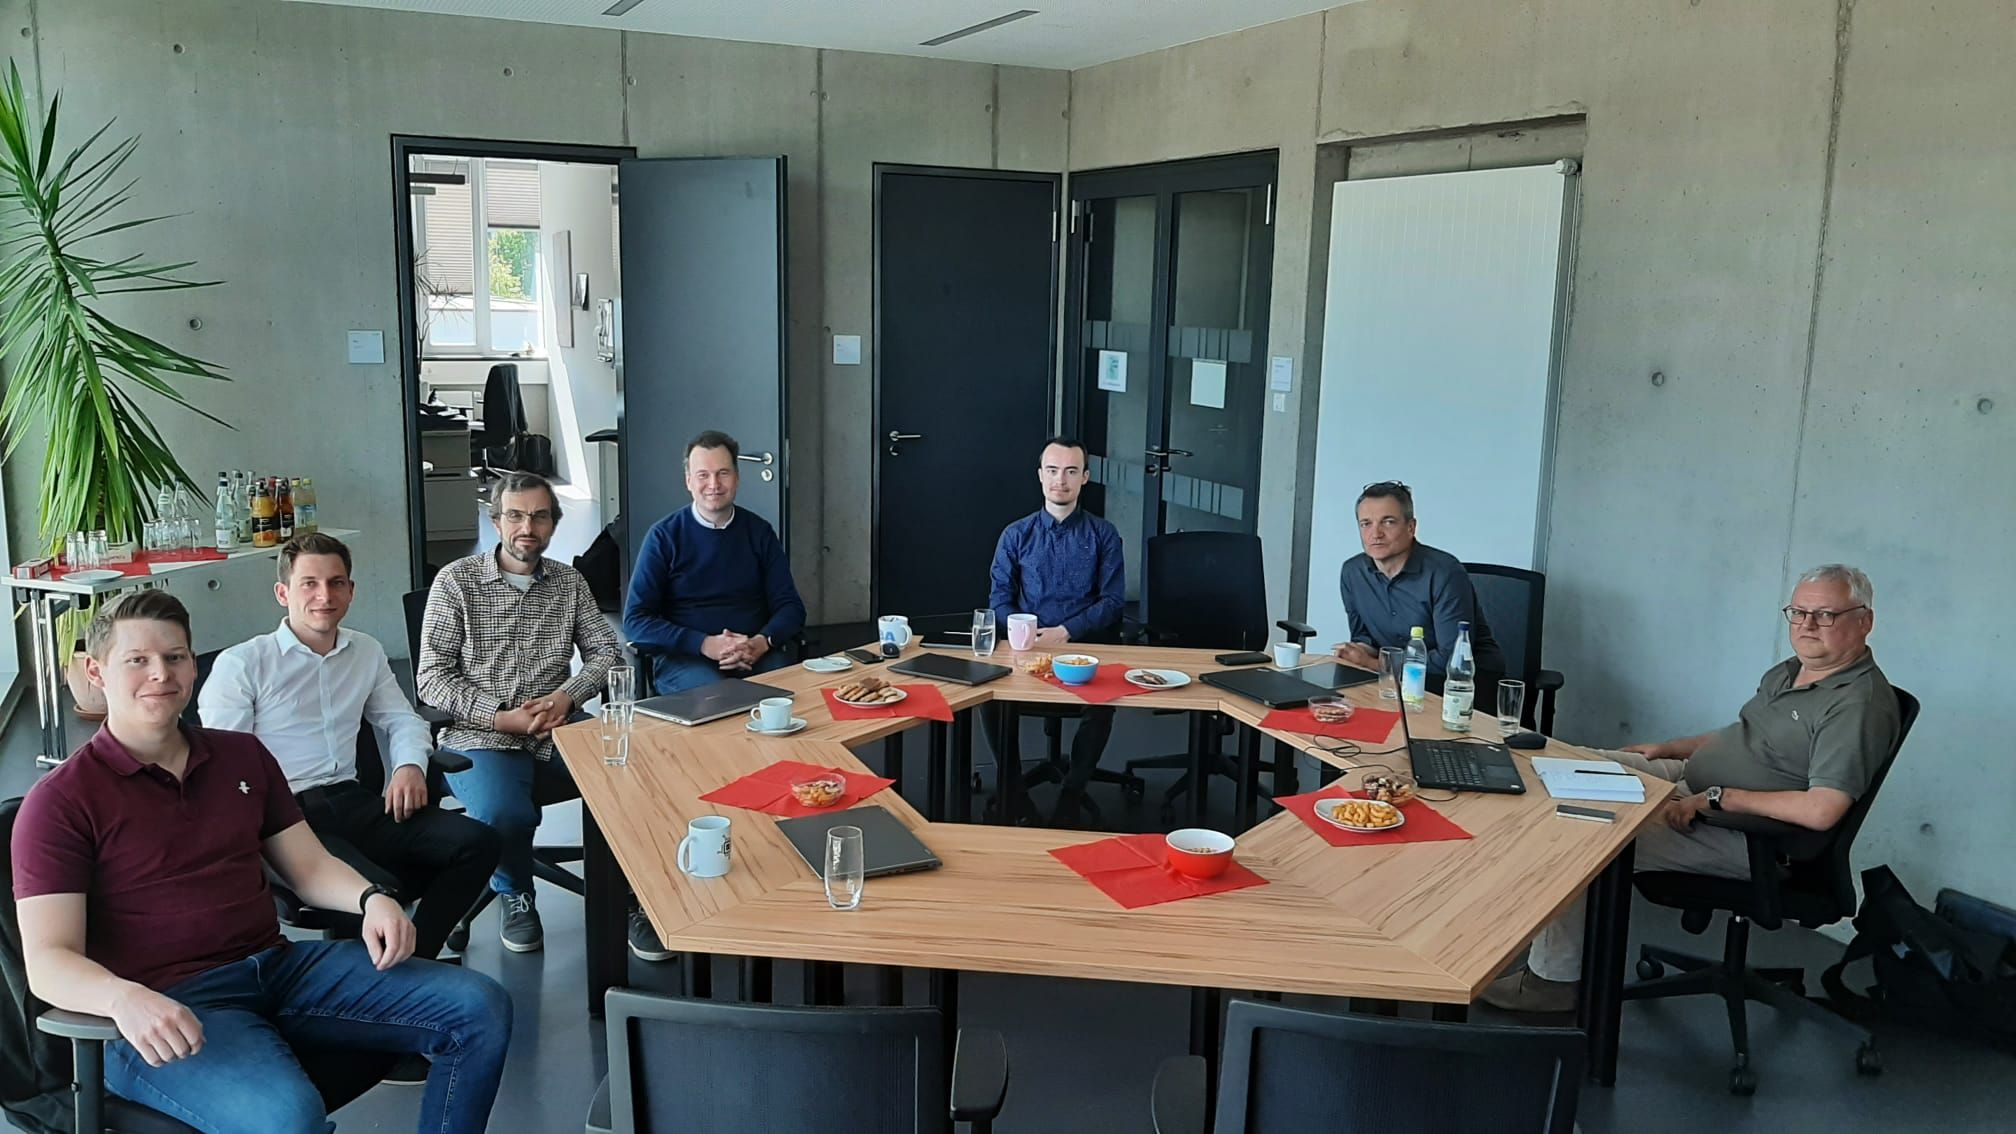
435	858
1088	744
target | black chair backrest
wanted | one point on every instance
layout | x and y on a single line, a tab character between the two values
1830	875
1513	602
1290	1070
503	405
684	1065
32	1064
415	604
1206	590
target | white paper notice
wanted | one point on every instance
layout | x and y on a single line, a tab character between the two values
1113	371
1281	375
1207	383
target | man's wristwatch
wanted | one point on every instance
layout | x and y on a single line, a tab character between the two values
1714	795
364	899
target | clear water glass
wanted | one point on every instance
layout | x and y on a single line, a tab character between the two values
1391	660
1511	705
845	871
983	633
615	734
623	691
100	548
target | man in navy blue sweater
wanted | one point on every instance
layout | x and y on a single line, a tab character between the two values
711	592
1065	566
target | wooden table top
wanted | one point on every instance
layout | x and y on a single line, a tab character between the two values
1430	922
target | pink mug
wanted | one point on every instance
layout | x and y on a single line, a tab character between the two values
1021	631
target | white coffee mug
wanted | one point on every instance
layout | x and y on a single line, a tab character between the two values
703	853
1287	655
894	631
772	714
1021	631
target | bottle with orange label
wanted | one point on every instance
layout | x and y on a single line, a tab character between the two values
265	517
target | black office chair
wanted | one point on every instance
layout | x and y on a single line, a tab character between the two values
1290	1070
684	1065
1796	875
548	862
1206	590
70	1081
503	419
1514	604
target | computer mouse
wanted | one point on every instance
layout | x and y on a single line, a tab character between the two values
1525	740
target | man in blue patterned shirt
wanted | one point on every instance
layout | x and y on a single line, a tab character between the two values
1063	565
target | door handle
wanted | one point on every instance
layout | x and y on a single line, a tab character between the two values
765	459
1154	452
895	436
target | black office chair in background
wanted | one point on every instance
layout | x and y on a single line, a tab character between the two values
1290	1071
1206	590
503	419
1514	602
71	1094
685	1065
1796	875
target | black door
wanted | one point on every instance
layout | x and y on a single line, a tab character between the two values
701	330
1166	347
964	338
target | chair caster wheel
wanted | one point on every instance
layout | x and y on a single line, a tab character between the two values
458	938
1649	969
1868	1061
1742	1080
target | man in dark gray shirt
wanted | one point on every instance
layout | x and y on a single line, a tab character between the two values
1399	583
1802	750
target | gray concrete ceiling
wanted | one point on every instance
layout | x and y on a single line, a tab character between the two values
1064	34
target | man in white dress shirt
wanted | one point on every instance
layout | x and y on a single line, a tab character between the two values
305	690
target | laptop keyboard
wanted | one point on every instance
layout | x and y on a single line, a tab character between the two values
1445	762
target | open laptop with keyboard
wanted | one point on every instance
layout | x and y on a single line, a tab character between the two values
1459	765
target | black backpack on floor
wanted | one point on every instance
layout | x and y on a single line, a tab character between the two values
1952	968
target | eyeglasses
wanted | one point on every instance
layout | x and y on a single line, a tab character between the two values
541	518
1385	487
1822	618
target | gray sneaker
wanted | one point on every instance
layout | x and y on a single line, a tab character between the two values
521	930
644	939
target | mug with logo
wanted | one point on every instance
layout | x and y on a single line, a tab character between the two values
703	853
894	630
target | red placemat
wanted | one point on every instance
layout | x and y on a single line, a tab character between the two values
1106	685
132	569
925	701
1368	725
769	789
1133	870
1424	823
185	555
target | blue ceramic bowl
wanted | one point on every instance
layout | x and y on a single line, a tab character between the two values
1074	674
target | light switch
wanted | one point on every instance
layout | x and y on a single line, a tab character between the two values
846	350
367	348
1280	403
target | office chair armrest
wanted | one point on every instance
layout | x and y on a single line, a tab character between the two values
444	761
979	1075
1779	838
299	914
77	1026
1181	1095
437	719
1549	680
1297	632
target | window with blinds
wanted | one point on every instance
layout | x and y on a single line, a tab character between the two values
476	255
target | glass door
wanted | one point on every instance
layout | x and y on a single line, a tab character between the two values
1170	277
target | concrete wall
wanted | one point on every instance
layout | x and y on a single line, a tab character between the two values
1798	213
269	125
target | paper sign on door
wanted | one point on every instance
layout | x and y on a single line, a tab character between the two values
1113	371
1207	383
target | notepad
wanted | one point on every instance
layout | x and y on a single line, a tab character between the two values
1589	779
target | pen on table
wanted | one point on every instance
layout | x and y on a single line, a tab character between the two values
1601	772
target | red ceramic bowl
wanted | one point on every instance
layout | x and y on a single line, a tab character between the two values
1199	853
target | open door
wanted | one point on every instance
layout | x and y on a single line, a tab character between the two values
701	336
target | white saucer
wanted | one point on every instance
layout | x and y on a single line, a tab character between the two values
831	664
1326	810
95	575
797	723
1171	678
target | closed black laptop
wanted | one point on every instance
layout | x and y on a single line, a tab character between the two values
958	671
887	846
1271	687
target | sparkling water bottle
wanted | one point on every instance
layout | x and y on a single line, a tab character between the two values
1459	689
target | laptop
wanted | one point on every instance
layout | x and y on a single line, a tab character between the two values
1460	765
710	702
1271	687
1335	675
887	846
958	671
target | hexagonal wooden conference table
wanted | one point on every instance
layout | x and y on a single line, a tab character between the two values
1429	922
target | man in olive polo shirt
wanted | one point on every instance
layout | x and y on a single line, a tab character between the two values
1802	751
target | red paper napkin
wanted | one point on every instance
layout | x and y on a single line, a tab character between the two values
925	701
1107	684
1133	870
1424	823
135	568
185	555
769	789
1368	725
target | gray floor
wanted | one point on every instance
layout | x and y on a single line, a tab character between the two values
1083	1054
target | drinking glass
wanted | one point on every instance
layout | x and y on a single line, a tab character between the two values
615	736
983	633
1511	705
623	691
185	519
100	546
845	870
1391	660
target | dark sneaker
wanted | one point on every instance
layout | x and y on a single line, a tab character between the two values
521	931
1527	994
644	939
408	1071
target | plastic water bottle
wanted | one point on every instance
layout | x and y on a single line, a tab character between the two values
1459	689
225	525
1414	672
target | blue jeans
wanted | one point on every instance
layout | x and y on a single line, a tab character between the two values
506	788
677	674
324	994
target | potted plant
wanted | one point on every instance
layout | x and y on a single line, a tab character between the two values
73	372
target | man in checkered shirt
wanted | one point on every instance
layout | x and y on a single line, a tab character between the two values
497	650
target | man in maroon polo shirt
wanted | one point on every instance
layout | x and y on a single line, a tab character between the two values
140	884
